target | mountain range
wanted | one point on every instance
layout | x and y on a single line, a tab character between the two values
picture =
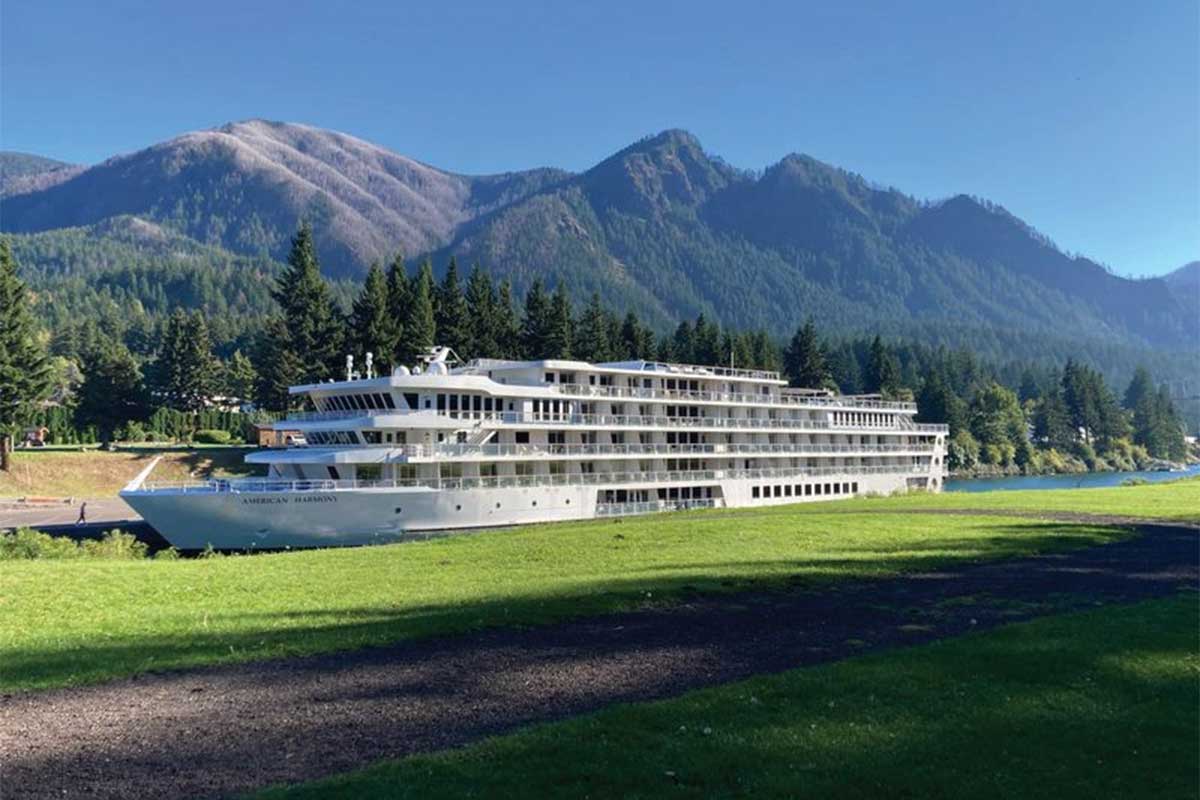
661	227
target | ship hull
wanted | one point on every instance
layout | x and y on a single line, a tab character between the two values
271	520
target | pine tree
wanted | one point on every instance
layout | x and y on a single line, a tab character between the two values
452	318
483	315
507	329
278	367
112	392
239	377
312	321
25	375
371	321
184	374
535	326
1052	421
765	353
399	295
937	403
561	334
804	359
706	343
419	328
682	344
883	371
591	337
633	340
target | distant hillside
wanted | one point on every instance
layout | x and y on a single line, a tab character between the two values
25	172
661	227
1185	283
245	187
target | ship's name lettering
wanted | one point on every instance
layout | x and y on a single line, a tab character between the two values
305	498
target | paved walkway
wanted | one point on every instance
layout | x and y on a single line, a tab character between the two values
217	731
108	511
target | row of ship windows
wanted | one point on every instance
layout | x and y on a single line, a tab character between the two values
803	490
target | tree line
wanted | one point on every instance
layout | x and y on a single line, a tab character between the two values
1011	416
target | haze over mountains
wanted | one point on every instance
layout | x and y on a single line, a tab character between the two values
661	227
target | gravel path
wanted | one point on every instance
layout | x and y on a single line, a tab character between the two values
217	731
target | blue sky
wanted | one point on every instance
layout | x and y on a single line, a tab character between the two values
1083	118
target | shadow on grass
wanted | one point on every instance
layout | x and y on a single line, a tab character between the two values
696	600
1096	705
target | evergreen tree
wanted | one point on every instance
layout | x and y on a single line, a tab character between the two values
314	327
883	372
483	314
591	338
804	359
278	367
706	343
452	317
239	377
743	351
937	403
682	345
1170	434
561	334
112	392
419	327
371	321
185	373
1052	421
399	297
25	374
507	329
765	353
537	322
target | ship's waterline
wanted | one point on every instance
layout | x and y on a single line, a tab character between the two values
496	443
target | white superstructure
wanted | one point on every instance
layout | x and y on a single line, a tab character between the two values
508	442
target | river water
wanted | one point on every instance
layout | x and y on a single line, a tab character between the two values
1086	480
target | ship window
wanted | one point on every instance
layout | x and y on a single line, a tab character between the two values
441	403
817	489
807	489
549	377
399	510
333	473
374	437
845	488
854	487
388	401
410	398
477	403
453	403
369	472
754	492
787	490
521	437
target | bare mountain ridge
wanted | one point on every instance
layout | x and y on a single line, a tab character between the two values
246	185
661	227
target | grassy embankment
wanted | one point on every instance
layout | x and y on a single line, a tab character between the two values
65	622
94	473
1101	704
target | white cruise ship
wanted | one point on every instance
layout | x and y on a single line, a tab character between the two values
494	443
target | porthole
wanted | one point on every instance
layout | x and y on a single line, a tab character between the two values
568	502
399	510
497	505
535	502
458	508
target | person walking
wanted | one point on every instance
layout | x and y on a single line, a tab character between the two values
82	514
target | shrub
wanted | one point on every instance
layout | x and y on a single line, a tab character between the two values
116	545
170	554
28	544
212	436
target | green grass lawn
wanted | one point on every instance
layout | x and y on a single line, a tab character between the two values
67	622
1174	500
1097	705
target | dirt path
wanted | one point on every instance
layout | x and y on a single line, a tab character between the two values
222	730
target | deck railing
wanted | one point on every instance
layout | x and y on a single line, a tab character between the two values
633	421
614	479
651	507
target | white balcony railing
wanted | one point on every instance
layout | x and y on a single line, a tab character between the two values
631	421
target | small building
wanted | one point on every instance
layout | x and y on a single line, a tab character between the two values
270	436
